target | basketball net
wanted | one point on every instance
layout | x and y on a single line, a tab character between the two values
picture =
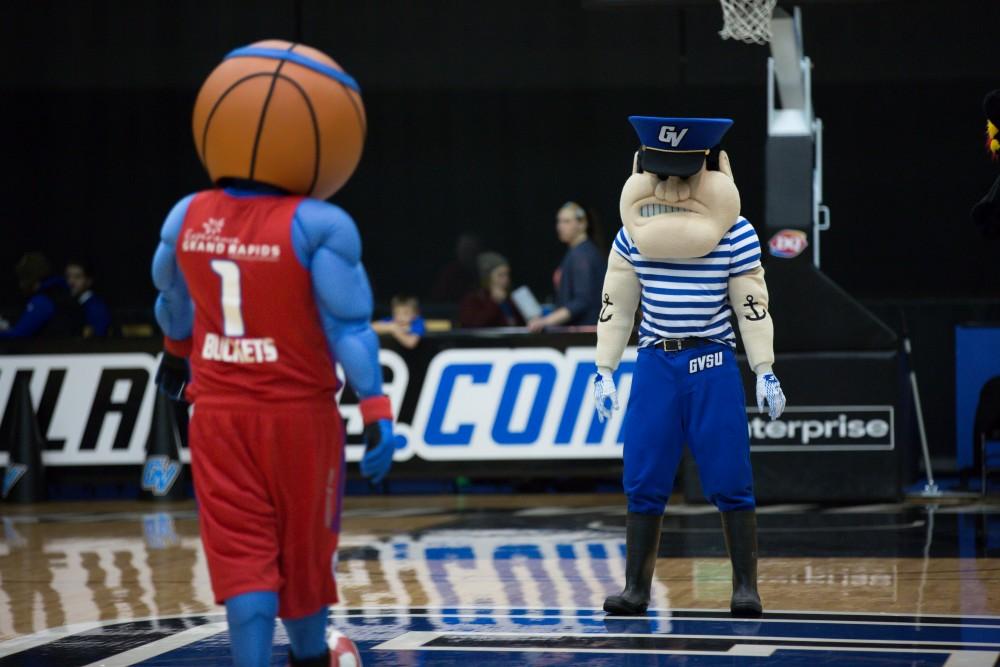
747	20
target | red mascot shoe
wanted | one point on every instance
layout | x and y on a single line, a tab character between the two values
343	652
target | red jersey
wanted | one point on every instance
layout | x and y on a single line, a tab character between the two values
257	334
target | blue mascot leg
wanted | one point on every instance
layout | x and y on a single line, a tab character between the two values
654	439
251	627
653	445
307	636
721	445
718	435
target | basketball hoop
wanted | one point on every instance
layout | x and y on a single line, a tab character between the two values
747	20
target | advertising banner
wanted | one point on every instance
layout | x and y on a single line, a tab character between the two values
475	399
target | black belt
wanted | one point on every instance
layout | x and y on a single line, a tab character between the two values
678	344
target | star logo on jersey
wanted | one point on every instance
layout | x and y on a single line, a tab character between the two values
213	226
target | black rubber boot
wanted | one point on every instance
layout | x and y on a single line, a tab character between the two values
319	661
642	541
740	529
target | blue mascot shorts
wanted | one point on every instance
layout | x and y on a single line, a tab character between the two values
696	397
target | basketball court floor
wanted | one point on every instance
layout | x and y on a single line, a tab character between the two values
519	580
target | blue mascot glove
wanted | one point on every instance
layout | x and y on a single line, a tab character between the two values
769	390
380	442
173	375
380	445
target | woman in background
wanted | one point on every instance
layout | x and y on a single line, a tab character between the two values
579	277
490	305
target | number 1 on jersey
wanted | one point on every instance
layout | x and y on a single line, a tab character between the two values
232	299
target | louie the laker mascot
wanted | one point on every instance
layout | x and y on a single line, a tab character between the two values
262	291
687	257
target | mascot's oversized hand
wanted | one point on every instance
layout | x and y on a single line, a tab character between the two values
380	445
380	441
172	376
769	391
605	394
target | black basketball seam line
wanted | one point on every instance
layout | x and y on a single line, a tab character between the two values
357	111
263	113
312	113
309	105
361	121
315	122
211	114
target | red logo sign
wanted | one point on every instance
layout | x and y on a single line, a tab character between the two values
788	243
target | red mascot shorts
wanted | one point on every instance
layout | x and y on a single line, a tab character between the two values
269	482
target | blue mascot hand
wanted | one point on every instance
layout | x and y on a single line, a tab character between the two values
172	376
380	445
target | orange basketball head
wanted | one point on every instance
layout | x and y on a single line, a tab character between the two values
283	114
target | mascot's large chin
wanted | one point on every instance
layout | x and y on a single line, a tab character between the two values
676	235
684	227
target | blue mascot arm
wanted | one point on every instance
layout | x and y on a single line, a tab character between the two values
327	243
174	309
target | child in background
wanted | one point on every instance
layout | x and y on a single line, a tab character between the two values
406	325
80	278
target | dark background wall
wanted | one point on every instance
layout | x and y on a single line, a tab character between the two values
486	115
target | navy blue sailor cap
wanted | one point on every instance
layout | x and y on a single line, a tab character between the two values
677	146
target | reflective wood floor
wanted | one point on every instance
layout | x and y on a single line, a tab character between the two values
508	557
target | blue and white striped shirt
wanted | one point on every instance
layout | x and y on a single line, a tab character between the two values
684	298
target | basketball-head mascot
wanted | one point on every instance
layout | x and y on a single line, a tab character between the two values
687	257
281	114
261	293
986	213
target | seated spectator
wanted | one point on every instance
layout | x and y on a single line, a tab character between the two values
405	325
490	305
50	312
97	317
580	276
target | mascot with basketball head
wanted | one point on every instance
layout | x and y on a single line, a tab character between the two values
261	293
688	258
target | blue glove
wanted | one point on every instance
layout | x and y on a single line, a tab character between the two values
172	376
380	445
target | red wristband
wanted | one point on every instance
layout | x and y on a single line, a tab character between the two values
178	348
375	408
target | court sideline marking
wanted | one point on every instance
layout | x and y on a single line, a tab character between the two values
161	646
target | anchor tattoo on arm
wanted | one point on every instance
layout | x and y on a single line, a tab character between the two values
607	302
751	304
